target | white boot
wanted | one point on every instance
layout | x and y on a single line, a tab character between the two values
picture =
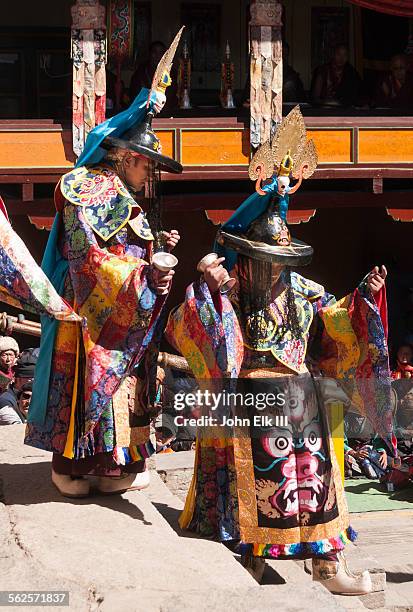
338	579
70	487
126	482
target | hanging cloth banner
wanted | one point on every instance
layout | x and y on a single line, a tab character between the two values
89	73
120	36
402	8
266	76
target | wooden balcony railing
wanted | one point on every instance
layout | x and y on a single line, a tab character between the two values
218	148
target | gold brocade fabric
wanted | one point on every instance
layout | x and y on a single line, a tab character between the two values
125	406
260	517
253	496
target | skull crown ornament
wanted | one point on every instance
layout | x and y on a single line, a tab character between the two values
289	155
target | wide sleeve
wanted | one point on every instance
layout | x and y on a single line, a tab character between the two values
23	284
207	333
353	350
115	296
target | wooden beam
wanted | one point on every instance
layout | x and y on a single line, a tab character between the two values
377	185
294	217
27	192
40	207
304	200
225	173
241	120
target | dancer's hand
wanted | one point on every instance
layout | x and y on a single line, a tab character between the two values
377	279
171	239
215	274
162	281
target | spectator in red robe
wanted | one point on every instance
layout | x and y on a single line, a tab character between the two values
338	82
404	367
395	89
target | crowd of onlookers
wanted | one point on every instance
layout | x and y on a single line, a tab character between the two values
335	83
338	84
16	379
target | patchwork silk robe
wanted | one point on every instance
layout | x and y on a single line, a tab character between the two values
280	492
86	401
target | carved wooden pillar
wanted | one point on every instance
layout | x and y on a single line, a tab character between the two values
265	69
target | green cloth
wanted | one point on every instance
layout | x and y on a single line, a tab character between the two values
364	495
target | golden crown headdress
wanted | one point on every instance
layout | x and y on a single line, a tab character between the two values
289	153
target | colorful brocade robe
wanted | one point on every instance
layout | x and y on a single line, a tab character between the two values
104	246
279	490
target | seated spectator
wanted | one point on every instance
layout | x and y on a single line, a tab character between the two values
293	88
402	384
23	374
369	460
25	367
404	359
337	83
9	352
404	415
16	413
24	397
165	432
171	435
395	90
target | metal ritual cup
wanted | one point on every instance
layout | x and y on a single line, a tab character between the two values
164	261
228	282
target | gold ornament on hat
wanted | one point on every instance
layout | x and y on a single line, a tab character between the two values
289	153
290	137
162	77
306	161
262	164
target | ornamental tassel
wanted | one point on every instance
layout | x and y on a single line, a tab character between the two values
89	75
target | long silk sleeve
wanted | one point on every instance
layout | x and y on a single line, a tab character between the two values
23	283
354	351
211	341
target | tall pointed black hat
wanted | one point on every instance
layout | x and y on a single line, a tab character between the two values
141	138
